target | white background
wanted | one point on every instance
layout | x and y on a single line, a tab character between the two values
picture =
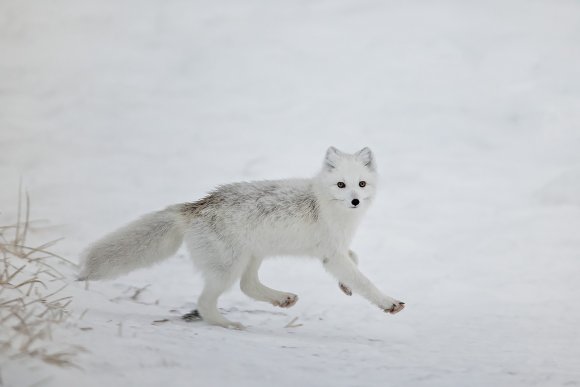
111	109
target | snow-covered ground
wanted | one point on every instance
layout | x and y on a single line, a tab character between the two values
111	109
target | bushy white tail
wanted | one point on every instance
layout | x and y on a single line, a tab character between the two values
150	239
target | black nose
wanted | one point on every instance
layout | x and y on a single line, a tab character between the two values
355	202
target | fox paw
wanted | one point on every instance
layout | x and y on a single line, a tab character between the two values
286	301
234	325
192	316
345	289
394	308
227	324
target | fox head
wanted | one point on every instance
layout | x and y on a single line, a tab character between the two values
348	181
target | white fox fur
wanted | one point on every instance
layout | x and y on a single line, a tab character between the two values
230	231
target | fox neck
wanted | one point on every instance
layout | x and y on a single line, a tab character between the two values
341	222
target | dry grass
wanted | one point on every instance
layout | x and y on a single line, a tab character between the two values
31	299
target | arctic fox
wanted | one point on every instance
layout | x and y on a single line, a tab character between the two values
230	231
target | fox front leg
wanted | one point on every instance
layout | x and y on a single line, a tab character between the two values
344	269
345	289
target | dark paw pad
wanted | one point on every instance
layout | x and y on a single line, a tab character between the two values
286	302
192	316
345	289
395	308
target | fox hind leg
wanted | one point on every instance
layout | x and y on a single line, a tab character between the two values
252	287
207	303
220	265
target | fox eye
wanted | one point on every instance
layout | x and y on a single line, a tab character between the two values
362	183
340	184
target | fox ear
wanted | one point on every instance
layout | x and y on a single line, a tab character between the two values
332	157
365	155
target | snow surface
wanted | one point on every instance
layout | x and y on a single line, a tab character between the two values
111	109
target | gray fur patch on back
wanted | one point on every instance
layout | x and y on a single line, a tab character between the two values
195	208
260	201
